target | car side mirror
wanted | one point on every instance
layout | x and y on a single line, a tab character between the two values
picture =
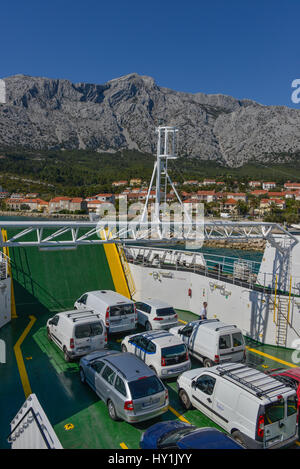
194	384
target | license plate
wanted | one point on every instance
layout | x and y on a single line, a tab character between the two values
148	404
274	440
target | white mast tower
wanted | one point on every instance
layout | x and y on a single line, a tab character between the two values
166	150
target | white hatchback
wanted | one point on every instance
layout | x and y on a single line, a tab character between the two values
156	314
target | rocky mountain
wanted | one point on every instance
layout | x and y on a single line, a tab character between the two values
123	113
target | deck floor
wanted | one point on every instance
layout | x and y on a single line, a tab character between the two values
79	418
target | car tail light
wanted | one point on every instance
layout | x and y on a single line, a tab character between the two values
72	343
163	361
107	317
175	316
261	426
128	405
217	358
166	395
158	319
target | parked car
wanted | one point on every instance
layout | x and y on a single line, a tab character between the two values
156	314
212	341
131	391
117	312
174	434
163	352
257	410
291	377
77	333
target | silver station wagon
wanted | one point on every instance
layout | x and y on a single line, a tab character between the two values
129	388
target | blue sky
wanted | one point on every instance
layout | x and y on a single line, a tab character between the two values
247	49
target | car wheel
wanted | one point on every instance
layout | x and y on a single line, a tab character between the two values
112	410
207	363
66	355
148	326
82	375
238	437
185	400
124	348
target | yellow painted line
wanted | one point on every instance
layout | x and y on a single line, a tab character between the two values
180	320
271	357
297	443
19	358
178	415
123	446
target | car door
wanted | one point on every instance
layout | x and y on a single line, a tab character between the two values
105	383
202	393
226	351
133	345
91	371
186	333
141	312
54	327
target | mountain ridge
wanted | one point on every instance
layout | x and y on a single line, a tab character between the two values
46	113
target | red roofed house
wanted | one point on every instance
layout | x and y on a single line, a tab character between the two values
206	196
67	203
33	204
236	196
292	185
254	183
230	205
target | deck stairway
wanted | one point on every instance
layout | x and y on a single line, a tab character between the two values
282	322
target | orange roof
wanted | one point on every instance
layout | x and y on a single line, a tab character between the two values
206	193
230	202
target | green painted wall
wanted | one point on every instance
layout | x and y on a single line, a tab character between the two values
47	281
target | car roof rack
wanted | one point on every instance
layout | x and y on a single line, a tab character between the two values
91	315
78	311
156	334
257	390
224	327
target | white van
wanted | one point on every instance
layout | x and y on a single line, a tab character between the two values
212	341
118	312
77	333
256	409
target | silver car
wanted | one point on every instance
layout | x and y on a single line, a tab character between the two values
131	391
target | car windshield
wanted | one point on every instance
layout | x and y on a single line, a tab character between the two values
121	310
173	351
165	312
144	387
171	438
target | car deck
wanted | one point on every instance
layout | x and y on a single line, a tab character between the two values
80	419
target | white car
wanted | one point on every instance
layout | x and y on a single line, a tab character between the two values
212	341
77	333
256	409
163	352
156	314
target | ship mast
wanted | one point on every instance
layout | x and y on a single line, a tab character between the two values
166	150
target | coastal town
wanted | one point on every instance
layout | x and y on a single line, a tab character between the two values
252	199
